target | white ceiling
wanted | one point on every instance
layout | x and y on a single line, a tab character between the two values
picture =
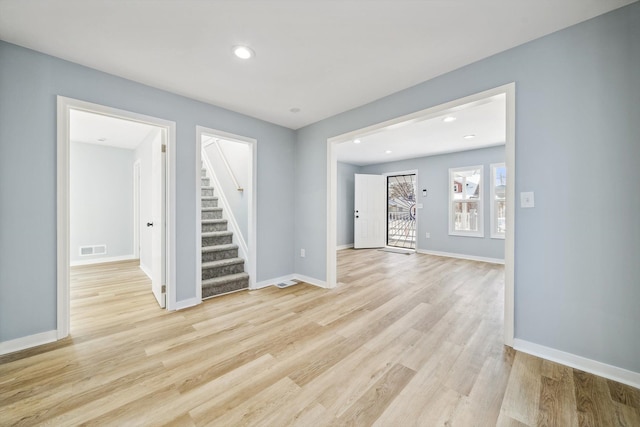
104	130
486	120
324	57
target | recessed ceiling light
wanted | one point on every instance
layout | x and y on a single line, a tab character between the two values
449	119
387	152
471	136
295	110
243	52
356	141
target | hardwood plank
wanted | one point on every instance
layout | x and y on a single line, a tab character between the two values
368	408
522	396
593	400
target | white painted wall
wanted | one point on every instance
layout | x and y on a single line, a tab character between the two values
143	154
101	201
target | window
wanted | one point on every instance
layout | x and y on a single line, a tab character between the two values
498	200
465	202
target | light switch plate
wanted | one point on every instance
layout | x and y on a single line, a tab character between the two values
419	205
526	199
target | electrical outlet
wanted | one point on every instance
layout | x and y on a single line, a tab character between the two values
427	235
302	253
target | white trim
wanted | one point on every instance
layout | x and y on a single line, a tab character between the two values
246	251
578	362
136	208
510	160
461	256
146	270
198	188
273	282
311	280
129	257
509	244
342	247
64	105
186	303
29	341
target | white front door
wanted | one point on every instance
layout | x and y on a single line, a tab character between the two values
158	217
370	211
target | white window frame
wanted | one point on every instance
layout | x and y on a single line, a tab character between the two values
479	201
494	212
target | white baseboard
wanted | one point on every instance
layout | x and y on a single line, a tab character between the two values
102	260
272	282
310	280
341	247
187	303
145	270
582	363
461	256
28	342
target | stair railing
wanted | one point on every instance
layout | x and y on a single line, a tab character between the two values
226	163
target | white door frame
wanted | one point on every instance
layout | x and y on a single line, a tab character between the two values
64	105
251	263
136	209
510	160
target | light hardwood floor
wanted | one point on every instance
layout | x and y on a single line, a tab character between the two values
405	340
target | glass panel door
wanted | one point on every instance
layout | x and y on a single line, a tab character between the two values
401	211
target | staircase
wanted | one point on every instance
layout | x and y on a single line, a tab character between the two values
222	269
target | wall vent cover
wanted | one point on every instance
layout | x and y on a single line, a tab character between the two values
93	250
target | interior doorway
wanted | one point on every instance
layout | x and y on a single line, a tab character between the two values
103	216
440	114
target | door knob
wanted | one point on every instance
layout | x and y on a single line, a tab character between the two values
149	224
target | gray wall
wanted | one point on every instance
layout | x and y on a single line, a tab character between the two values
100	200
29	83
577	276
345	199
238	155
433	174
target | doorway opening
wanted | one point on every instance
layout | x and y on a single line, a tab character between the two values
115	192
377	136
226	182
401	211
